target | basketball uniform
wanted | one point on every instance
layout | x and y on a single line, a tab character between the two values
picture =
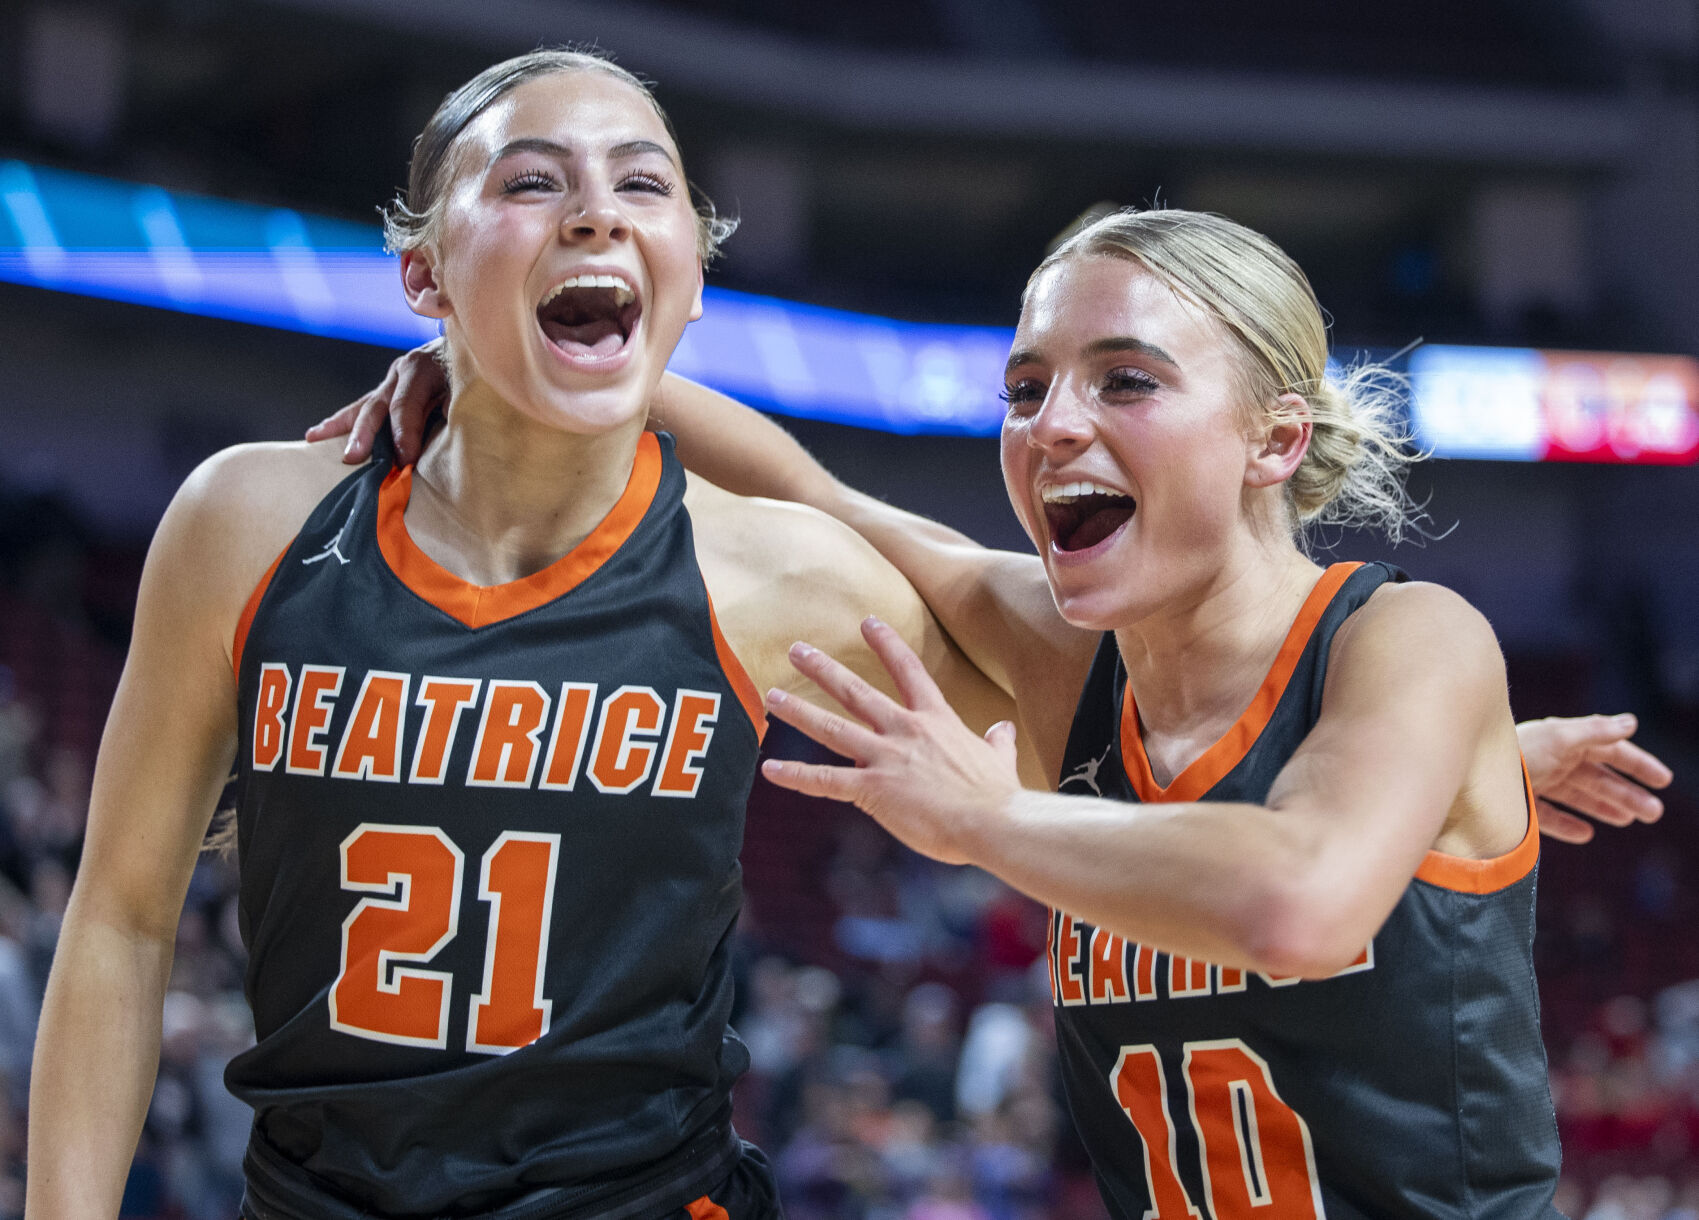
488	841
1413	1083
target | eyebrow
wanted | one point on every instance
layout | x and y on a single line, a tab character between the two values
1100	347
553	148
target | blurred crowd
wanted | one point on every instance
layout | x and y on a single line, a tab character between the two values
897	1011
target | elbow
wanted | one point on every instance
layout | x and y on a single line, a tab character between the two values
1303	928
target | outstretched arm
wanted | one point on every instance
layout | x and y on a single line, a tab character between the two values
1296	885
994	604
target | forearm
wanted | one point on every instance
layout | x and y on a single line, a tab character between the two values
96	1058
739	448
1232	884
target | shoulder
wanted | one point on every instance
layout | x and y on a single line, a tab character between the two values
779	572
786	548
233	515
1414	632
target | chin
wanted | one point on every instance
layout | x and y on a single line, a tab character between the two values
1094	609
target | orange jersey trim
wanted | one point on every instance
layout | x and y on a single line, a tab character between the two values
248	611
1467	876
705	1209
1213	765
741	683
480	605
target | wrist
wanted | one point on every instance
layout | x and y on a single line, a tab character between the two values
986	838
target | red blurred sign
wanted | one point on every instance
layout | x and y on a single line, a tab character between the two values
1607	407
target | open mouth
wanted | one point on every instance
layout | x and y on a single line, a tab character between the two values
1081	515
590	317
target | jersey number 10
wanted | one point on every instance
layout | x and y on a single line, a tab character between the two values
418	870
1256	1153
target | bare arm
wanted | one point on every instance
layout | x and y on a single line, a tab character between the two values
1296	885
164	758
994	604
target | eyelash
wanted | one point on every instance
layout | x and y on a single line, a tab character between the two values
653	182
1117	381
537	180
1131	379
530	180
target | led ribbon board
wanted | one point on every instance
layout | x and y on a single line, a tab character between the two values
276	267
1523	404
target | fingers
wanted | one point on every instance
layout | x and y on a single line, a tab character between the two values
914	684
858	696
337	424
420	386
837	733
1561	825
1637	764
1605	796
814	779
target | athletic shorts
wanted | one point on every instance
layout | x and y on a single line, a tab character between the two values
748	1193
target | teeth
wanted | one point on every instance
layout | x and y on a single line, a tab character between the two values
623	295
1067	493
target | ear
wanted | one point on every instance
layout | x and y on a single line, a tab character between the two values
696	305
1274	451
425	295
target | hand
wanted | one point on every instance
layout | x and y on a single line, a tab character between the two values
415	387
923	774
1581	763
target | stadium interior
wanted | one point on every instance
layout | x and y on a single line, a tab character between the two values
1514	174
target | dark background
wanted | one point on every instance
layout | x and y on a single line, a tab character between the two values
1500	171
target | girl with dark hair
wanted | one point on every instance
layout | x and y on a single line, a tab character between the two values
494	720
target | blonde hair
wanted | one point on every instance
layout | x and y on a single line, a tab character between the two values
1352	474
410	219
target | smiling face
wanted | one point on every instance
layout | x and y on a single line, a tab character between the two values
1126	452
564	261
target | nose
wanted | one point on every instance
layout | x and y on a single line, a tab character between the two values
598	217
1062	422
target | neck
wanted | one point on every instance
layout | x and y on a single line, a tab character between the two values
499	496
1195	662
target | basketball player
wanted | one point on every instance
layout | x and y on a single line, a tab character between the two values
1291	860
494	720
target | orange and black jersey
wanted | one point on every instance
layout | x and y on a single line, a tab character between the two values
1413	1083
488	842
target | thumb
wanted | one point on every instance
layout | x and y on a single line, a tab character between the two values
1001	738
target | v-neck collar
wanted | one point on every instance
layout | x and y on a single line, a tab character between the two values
1209	768
480	605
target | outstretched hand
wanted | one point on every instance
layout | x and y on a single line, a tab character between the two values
415	386
919	771
1588	766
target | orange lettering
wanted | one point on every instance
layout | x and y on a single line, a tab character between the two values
694	713
444	699
273	697
1067	963
1144	973
505	754
1187	977
1108	968
371	744
620	762
313	699
566	744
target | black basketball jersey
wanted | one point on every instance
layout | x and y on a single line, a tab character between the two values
488	842
1413	1083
